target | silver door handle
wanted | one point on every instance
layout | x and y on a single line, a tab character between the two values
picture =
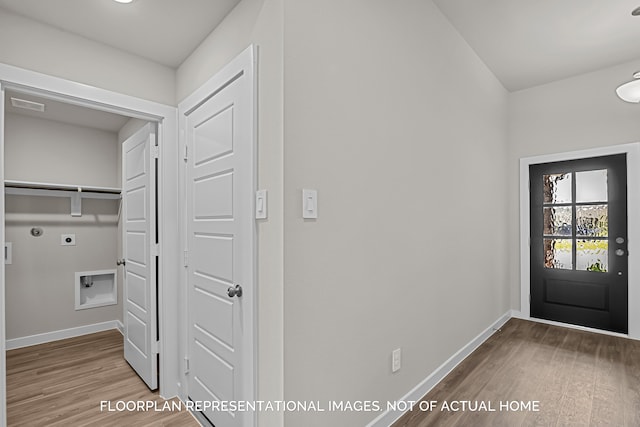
121	262
234	291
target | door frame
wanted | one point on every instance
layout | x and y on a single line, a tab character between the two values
632	151
166	117
245	62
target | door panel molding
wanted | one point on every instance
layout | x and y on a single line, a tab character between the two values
212	167
632	151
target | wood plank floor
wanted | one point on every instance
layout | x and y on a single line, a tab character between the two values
62	383
579	378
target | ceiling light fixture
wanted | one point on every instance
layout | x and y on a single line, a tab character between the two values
123	1
630	92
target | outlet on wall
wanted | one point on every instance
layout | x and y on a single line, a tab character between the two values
68	240
396	360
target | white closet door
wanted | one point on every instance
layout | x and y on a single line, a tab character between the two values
220	190
140	255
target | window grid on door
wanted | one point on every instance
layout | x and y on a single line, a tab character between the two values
575	221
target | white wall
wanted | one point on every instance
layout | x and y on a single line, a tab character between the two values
48	151
34	46
257	22
400	127
131	127
40	293
568	115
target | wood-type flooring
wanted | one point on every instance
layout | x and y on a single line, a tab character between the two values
526	374
64	383
577	378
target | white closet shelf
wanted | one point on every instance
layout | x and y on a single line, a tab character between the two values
87	191
75	192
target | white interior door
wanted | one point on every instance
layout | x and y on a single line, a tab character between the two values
221	229
140	254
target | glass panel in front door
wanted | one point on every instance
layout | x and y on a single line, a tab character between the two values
576	221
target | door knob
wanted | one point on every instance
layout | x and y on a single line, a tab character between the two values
121	262
234	291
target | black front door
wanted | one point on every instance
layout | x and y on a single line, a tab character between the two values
579	242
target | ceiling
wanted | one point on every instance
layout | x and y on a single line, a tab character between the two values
67	113
531	42
524	42
163	31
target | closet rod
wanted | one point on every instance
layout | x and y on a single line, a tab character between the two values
60	190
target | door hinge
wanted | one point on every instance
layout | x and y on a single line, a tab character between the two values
155	151
186	365
186	258
186	152
155	347
155	249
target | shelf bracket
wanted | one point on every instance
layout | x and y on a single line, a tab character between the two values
76	204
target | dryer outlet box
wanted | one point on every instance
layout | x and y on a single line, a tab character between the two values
68	240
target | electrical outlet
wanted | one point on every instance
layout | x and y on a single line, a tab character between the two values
396	360
68	240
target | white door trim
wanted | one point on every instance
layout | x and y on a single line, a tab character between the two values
632	151
3	349
245	63
166	117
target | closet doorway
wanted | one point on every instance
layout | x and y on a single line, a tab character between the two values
83	177
80	226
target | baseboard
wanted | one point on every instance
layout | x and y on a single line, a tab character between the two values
518	315
201	419
389	417
63	334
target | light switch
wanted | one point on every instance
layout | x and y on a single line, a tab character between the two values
309	203
8	252
261	204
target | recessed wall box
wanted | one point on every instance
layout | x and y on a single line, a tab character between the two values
95	289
